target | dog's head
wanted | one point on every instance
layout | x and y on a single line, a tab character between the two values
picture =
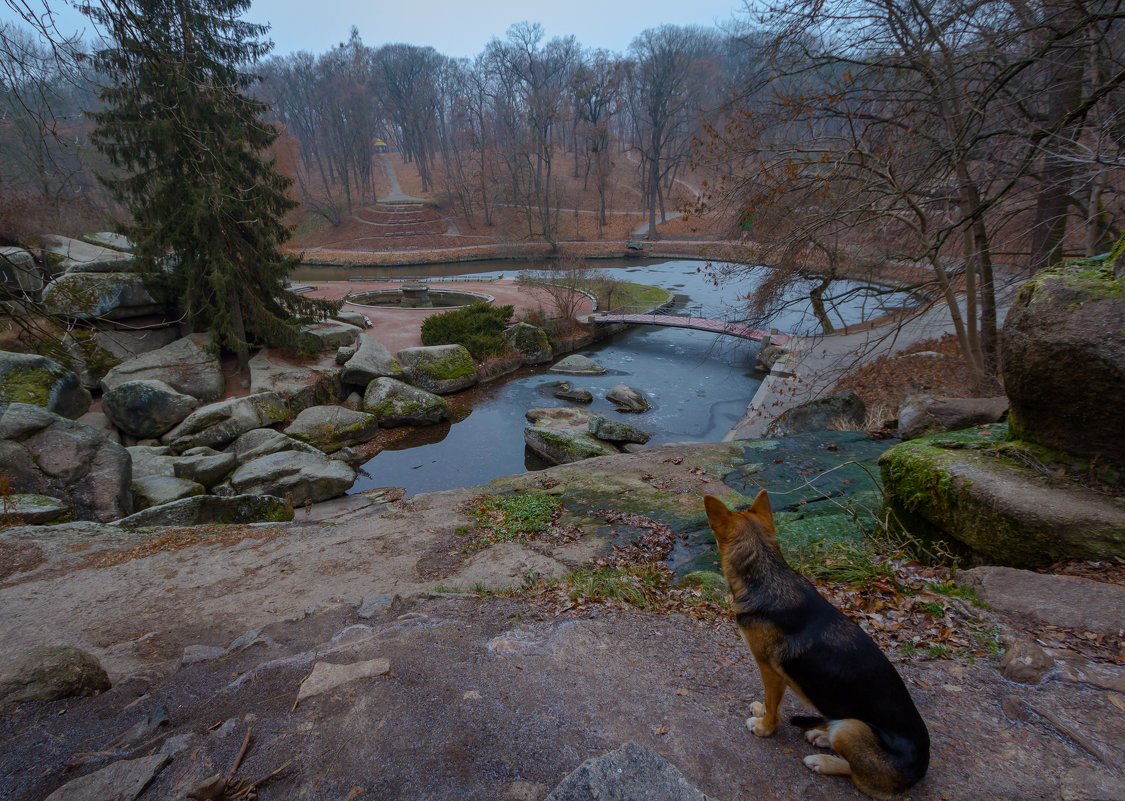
741	534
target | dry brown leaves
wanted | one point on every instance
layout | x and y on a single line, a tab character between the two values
177	539
883	383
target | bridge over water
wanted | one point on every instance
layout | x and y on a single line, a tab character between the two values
694	317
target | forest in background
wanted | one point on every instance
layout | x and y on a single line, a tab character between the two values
980	140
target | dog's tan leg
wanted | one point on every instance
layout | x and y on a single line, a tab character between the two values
870	766
828	764
766	717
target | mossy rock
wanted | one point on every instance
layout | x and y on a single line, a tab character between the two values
563	447
394	403
531	341
211	509
112	296
996	510
440	369
39	381
1063	349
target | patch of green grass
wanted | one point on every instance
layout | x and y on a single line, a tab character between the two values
933	608
508	518
851	562
954	590
635	585
908	649
937	651
612	294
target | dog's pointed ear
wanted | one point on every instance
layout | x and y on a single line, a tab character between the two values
761	506
720	518
761	510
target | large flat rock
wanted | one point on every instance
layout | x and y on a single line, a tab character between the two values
188	365
1006	514
633	772
1068	601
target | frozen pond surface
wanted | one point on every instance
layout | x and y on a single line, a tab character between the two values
699	384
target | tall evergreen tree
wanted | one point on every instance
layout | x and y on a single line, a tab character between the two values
207	204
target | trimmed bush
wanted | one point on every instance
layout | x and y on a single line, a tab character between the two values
478	327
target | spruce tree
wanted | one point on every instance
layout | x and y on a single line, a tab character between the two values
207	204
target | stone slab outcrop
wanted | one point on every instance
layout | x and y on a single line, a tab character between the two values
924	414
18	271
107	296
123	780
371	360
46	454
221	423
1003	512
628	399
151	491
48	673
187	365
300	385
262	442
75	256
561	436
633	771
147	408
212	510
577	364
1067	601
330	428
32	510
330	334
294	474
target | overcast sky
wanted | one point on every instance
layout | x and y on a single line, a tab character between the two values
457	27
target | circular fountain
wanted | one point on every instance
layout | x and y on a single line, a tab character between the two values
417	295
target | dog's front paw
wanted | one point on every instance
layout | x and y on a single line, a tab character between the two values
818	737
828	764
758	709
758	725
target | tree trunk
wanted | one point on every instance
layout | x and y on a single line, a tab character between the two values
241	349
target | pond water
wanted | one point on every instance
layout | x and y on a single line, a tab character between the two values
699	384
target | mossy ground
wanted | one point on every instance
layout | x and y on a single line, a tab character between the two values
830	525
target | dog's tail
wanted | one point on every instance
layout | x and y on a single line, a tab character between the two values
807	722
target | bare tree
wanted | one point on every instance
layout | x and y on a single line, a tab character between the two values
597	86
530	85
918	114
666	96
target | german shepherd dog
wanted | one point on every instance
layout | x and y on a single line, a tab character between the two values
799	640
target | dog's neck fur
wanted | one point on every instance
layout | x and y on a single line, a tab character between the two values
767	561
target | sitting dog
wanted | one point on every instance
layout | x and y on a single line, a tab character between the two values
800	640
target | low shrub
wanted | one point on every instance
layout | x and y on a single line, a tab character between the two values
479	327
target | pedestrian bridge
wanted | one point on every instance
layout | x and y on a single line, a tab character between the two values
693	317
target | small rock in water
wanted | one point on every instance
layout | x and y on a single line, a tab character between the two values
576	364
628	399
565	391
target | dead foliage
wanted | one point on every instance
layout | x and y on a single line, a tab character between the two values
177	539
933	366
